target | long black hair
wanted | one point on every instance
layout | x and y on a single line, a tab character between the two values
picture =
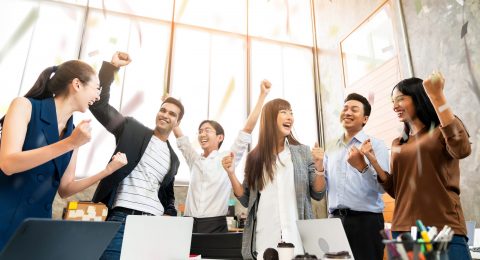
424	109
48	86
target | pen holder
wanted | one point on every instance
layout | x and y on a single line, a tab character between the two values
404	250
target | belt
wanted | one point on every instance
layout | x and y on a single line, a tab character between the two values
348	212
131	211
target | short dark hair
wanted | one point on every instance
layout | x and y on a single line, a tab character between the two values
218	128
367	109
177	103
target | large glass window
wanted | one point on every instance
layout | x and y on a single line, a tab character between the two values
290	70
215	14
52	42
14	44
288	21
369	46
209	66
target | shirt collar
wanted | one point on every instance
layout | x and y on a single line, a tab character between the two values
359	137
213	154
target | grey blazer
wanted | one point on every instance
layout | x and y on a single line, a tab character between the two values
304	175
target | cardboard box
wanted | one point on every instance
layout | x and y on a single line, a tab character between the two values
85	211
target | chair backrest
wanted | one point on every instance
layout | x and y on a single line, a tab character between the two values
217	245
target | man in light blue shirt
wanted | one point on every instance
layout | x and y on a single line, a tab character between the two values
354	194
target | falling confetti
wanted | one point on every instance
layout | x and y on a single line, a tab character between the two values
371	97
464	29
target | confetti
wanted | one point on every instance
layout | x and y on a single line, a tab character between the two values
464	30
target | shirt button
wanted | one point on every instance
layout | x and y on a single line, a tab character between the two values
48	207
31	201
56	184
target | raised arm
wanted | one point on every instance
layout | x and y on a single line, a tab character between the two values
253	117
453	130
13	160
68	184
107	115
228	163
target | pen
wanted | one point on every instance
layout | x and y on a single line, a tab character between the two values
424	234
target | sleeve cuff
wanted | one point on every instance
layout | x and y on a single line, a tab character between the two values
182	141
110	66
453	129
245	137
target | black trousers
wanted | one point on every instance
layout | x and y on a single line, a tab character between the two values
363	233
210	225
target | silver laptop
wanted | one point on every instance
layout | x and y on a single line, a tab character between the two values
156	237
320	236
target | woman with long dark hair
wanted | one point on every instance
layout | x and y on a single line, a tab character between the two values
39	144
425	171
280	178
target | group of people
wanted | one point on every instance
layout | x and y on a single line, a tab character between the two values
39	147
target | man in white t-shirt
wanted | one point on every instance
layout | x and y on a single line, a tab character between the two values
210	188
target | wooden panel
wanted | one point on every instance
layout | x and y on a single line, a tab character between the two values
377	87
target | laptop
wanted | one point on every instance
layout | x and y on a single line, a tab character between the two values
48	239
320	236
156	237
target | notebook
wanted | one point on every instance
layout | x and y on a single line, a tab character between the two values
47	239
320	236
156	237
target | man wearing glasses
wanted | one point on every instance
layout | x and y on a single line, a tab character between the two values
210	188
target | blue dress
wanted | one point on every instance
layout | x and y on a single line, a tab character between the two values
30	193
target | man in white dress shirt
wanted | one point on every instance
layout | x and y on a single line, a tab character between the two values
210	188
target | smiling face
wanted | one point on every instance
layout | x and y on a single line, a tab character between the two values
208	138
403	106
284	122
87	92
167	118
352	116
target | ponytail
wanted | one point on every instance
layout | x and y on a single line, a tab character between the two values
54	80
39	90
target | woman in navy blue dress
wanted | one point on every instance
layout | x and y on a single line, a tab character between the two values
38	145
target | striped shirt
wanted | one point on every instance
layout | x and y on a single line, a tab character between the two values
139	190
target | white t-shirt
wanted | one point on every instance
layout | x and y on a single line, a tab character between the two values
139	190
277	209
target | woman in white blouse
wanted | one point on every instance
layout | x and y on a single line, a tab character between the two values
281	171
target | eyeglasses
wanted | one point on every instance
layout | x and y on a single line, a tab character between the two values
206	131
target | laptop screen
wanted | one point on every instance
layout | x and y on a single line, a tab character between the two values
47	239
